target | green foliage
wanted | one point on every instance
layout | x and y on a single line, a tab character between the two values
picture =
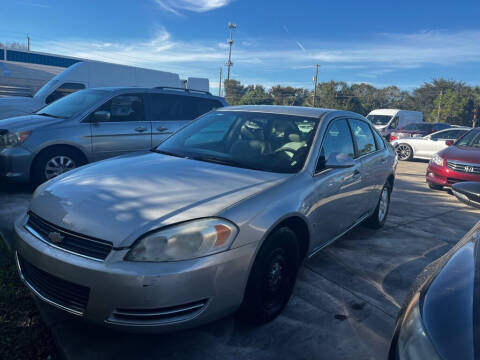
457	102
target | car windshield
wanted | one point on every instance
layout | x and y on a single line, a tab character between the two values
73	104
470	139
260	141
379	119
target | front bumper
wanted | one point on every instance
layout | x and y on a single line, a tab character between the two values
15	164
443	176
139	296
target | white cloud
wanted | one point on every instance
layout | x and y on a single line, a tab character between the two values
175	6
280	61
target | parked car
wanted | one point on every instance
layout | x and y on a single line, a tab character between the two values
439	319
92	74
458	162
389	120
424	147
95	124
217	218
418	130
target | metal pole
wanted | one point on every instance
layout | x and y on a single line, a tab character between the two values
315	81
28	43
439	105
220	82
231	26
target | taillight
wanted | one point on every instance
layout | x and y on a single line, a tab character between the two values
392	137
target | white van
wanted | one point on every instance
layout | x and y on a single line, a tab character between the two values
87	74
388	120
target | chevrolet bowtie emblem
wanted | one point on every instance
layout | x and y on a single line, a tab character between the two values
55	237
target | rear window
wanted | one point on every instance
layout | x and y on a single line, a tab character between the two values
166	107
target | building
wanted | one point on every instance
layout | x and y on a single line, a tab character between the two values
23	72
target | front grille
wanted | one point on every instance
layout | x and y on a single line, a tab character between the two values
76	243
463	168
54	289
158	316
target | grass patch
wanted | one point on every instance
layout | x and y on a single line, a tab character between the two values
23	335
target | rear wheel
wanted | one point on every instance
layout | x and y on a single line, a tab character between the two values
435	187
379	216
53	162
271	279
404	152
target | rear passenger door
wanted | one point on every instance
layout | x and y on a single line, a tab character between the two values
170	112
370	150
126	131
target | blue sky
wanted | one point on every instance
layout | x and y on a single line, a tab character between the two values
403	43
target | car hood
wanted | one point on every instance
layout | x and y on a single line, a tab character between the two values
450	302
27	122
465	154
120	199
17	106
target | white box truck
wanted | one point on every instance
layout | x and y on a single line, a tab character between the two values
388	120
86	74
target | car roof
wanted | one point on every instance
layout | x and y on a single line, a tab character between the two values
289	110
163	90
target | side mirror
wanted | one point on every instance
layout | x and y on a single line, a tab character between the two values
101	116
338	160
449	142
468	192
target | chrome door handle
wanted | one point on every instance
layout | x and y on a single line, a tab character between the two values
353	175
162	129
140	129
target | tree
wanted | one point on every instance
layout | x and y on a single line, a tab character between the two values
234	91
256	95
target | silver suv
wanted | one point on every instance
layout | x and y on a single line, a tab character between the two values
92	125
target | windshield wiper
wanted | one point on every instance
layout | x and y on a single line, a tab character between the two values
223	161
49	115
167	153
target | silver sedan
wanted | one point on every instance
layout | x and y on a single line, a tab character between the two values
216	219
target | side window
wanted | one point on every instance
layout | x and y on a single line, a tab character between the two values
363	136
452	134
180	107
62	90
378	140
338	139
128	107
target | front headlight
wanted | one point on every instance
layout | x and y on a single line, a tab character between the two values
184	241
413	341
9	140
437	160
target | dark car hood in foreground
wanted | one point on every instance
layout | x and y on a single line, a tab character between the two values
122	198
461	153
450	299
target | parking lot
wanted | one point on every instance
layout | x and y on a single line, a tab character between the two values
344	305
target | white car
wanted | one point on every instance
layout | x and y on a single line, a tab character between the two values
425	147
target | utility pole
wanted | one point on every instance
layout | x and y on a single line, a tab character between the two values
315	81
28	42
220	82
475	114
439	105
232	27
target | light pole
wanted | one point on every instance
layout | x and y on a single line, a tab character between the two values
232	27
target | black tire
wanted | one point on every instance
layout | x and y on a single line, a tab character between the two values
271	279
38	174
435	187
375	221
404	152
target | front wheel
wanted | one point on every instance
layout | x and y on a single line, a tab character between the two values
404	152
53	162
379	216
271	279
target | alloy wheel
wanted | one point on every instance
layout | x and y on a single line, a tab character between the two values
403	152
383	205
58	165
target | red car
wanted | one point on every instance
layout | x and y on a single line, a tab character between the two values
458	162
